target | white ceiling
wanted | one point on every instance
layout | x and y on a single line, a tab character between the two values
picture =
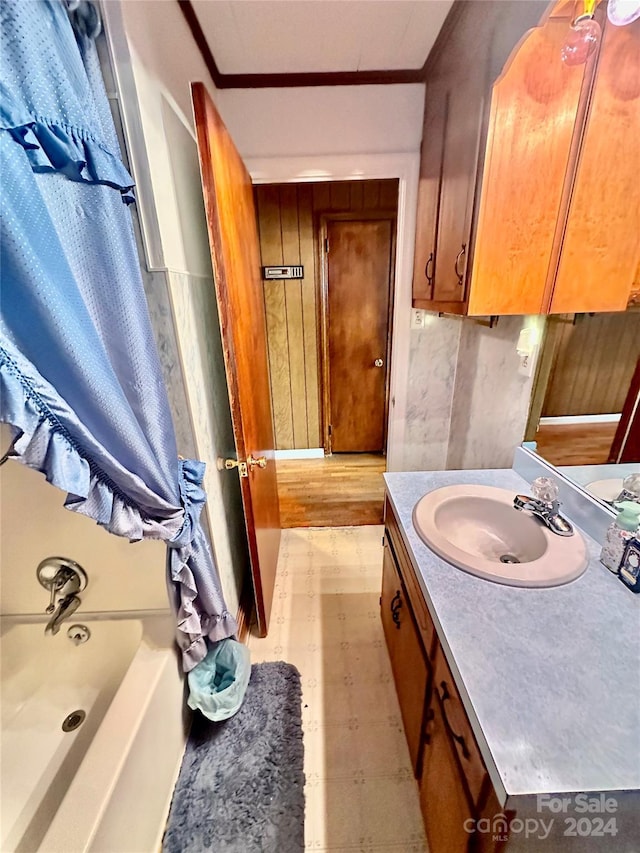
298	36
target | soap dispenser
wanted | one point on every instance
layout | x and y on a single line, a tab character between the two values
619	533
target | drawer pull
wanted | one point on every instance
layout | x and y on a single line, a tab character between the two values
444	695
395	609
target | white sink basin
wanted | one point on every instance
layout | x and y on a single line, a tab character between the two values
477	529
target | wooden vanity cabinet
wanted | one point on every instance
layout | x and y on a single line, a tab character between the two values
550	201
455	788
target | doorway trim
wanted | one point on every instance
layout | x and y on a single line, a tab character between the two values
323	301
405	166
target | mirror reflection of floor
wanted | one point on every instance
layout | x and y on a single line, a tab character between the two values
575	444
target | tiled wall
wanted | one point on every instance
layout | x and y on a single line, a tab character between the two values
468	404
432	371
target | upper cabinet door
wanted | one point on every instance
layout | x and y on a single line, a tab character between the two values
550	223
531	126
601	244
435	122
459	171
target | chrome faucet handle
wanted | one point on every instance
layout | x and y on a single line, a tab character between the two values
545	489
62	577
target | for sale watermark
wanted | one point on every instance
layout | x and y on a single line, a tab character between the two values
571	816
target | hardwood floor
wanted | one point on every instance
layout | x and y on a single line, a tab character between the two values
341	490
575	444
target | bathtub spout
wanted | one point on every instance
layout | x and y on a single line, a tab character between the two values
66	606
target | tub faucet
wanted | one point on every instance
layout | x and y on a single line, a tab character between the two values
64	579
67	602
544	505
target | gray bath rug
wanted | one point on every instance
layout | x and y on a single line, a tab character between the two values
240	788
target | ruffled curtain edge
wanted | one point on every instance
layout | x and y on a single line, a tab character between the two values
41	444
54	147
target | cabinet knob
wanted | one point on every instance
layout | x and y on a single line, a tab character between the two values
459	257
378	362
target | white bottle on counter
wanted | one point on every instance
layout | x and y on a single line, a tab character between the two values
619	533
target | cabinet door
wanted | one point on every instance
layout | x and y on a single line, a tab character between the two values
464	109
407	658
601	243
531	125
443	799
435	120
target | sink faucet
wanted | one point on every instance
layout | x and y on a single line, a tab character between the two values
544	505
65	579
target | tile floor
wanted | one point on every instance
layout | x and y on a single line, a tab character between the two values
360	791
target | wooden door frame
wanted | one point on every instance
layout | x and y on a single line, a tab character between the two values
628	432
322	285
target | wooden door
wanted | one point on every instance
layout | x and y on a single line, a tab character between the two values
626	442
358	284
235	254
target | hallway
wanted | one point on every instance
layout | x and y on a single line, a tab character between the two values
344	489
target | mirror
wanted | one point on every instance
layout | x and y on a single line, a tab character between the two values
585	407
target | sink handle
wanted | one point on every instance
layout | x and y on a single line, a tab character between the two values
395	609
444	695
545	489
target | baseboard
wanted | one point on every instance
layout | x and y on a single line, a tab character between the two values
580	419
306	453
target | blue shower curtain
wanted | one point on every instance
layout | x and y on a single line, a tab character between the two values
80	379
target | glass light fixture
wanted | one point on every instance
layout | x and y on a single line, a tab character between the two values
583	38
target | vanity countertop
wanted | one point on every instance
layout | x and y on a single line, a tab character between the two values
550	678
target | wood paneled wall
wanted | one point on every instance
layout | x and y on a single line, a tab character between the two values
594	363
288	217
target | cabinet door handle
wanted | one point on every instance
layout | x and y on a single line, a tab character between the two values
395	609
429	275
444	695
459	257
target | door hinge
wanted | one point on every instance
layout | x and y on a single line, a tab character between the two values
326	245
329	429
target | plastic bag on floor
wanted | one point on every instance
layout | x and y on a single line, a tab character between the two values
218	683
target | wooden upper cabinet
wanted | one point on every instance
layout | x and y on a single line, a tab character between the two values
433	133
531	126
459	170
551	218
601	245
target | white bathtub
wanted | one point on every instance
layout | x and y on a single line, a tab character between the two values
105	786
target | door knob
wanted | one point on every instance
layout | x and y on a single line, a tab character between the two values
260	462
378	362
